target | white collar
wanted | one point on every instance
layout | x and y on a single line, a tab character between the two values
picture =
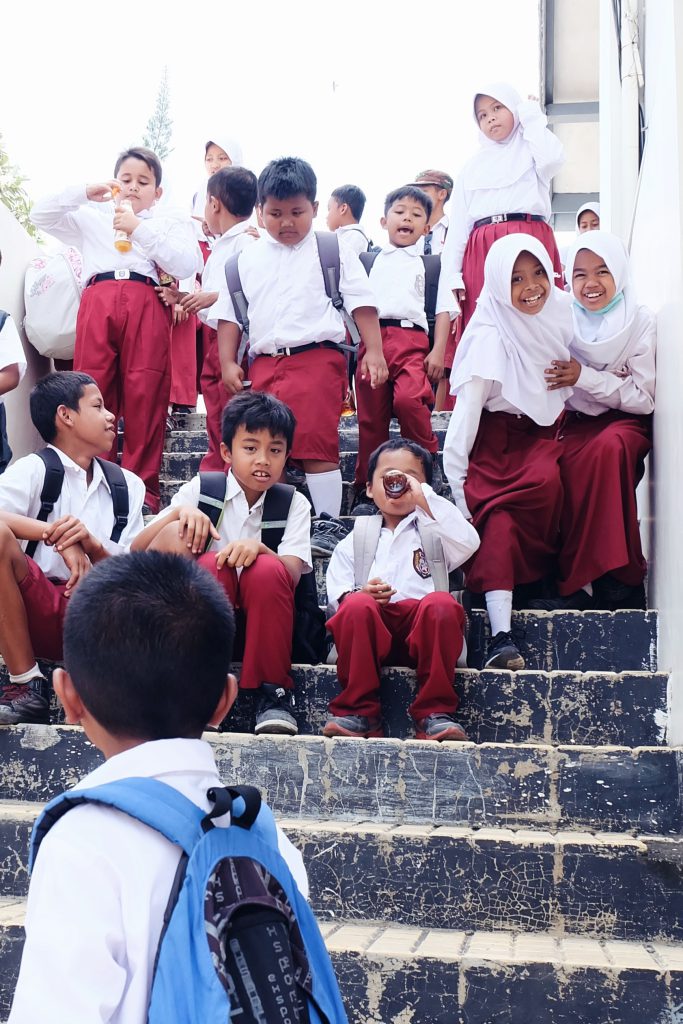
409	250
154	758
68	463
235	489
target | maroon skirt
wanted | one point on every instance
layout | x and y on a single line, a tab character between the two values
514	492
603	459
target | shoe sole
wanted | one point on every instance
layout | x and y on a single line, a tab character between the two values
514	663
277	728
18	718
333	729
453	734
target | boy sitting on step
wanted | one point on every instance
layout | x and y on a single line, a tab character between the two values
147	645
47	547
387	586
257	437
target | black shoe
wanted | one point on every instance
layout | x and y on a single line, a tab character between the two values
578	601
326	532
274	711
612	596
295	476
24	702
503	653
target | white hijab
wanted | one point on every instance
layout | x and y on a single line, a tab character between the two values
604	339
503	344
593	207
234	151
499	164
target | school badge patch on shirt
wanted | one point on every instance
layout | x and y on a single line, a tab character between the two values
420	564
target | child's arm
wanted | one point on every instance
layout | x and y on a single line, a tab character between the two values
546	148
434	361
460	437
192	302
9	378
459	228
340	577
60	214
458	537
194	525
373	364
294	550
229	335
167	241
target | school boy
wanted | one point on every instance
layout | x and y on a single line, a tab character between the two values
397	277
257	437
438	185
12	369
138	630
295	331
344	211
123	333
68	411
397	617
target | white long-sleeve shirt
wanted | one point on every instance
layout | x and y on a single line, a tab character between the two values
213	277
397	277
399	559
288	304
20	488
166	241
11	349
439	232
630	386
106	878
529	194
354	237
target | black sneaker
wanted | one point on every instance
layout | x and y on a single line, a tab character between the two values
611	595
274	711
326	532
23	702
295	476
353	726
503	653
578	601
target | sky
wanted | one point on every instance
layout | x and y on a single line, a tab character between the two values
369	91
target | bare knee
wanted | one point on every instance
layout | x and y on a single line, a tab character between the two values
169	539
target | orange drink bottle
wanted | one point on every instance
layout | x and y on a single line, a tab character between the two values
122	242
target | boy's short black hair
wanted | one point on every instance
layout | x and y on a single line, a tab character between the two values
257	410
148	156
64	387
148	643
354	198
399	444
285	178
235	188
409	192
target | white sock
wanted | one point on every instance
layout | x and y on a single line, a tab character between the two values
499	607
325	490
26	677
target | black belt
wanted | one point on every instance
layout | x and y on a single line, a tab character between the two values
502	218
121	275
384	322
295	349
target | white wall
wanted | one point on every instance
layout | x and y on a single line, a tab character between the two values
17	249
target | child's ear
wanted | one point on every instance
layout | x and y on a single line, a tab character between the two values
315	208
158	192
64	416
225	702
68	697
425	230
368	490
383	222
226	454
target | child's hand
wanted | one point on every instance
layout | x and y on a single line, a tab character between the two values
232	375
254	232
78	564
374	367
195	528
434	367
169	296
562	374
194	301
65	532
239	553
460	295
381	591
179	315
125	220
103	191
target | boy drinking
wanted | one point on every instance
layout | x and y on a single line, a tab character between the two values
396	617
68	412
257	438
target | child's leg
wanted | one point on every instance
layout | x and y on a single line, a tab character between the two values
170	540
15	641
413	395
98	330
363	641
184	362
215	400
373	409
433	631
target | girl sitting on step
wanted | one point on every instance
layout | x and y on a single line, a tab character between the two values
607	430
501	455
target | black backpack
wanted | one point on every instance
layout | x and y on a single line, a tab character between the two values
432	265
309	635
52	488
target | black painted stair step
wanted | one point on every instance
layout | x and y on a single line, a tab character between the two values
179	441
348	425
391	781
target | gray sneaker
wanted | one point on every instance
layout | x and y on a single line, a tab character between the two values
274	711
23	702
354	726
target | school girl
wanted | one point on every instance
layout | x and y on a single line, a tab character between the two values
501	455
606	432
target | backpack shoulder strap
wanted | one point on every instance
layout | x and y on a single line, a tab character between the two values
52	488
240	303
116	479
213	490
432	265
433	549
330	263
368	258
366	533
3	318
276	506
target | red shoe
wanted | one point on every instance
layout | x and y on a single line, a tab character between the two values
439	727
355	726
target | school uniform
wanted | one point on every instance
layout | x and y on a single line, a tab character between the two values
501	456
123	331
435	239
508	177
606	433
353	236
11	353
43	587
419	626
110	877
294	334
264	592
397	279
215	395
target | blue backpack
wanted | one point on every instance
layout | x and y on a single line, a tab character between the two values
239	941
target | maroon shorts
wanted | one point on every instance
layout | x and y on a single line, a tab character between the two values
46	606
313	384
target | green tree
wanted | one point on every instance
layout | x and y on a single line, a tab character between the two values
13	193
160	126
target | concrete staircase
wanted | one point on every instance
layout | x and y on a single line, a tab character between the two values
532	874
